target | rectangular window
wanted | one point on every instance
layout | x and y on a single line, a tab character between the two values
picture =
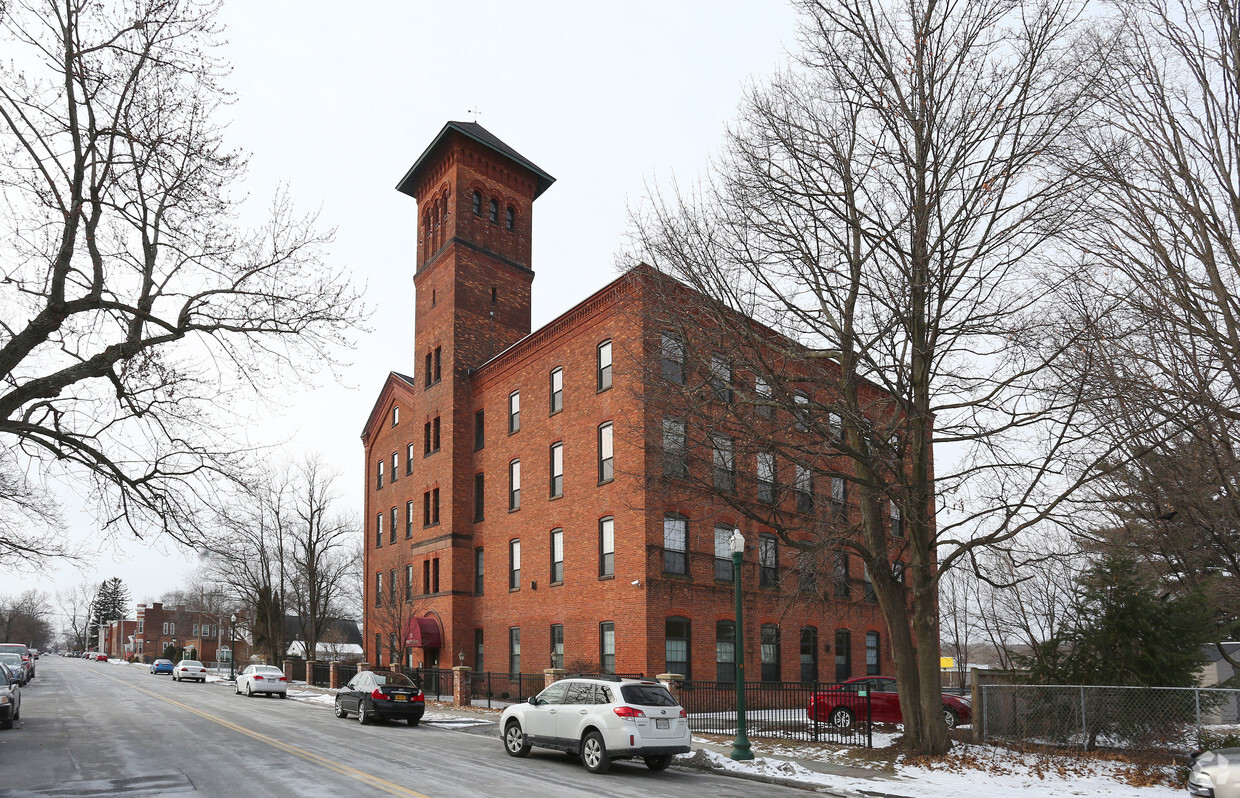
408	519
675	448
430	507
721	378
514	412
478	663
672	352
607	647
557	390
723	553
379	639
392	527
676	646
395	415
409	459
807	571
409	582
514	485
379	589
557	470
479	495
165	627
514	564
426	577
606	547
438	362
768	561
801	411
395	466
557	645
843	655
809	654
434	506
514	649
843	583
193	630
426	439
839	499
897	521
805	489
172	627
871	654
724	463
870	595
379	530
478	569
766	477
770	652
430	369
141	622
480	440
557	556
763	404
675	541
725	651
606	462
435	434
392	586
435	575
379	476
835	424
604	365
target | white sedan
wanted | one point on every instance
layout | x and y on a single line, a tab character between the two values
262	679
190	669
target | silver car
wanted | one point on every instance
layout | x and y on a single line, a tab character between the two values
262	679
1215	774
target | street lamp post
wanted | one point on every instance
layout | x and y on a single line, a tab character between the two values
740	748
232	652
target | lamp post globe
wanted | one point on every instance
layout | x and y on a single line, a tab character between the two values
740	747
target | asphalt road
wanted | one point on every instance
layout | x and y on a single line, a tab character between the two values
102	729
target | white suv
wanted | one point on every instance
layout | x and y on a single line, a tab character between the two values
601	719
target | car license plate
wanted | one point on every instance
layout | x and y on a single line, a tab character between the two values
400	697
661	723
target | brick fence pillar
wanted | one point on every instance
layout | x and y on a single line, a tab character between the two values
309	671
672	682
288	670
461	686
553	675
363	666
333	671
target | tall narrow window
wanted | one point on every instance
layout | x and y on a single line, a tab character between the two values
479	497
435	434
395	415
395	465
604	365
763	404
768	561
725	651
770	652
510	218
438	363
675	448
434	506
477	204
478	662
807	571
843	655
675	543
378	646
557	470
766	477
607	647
379	475
723	553
514	412
409	459
557	556
430	369
676	646
721	378
839	499
478	570
514	649
802	412
871	654
870	595
897	521
480	440
809	654
606	547
379	529
426	439
435	575
392	586
409	582
408	519
557	645
606	462
514	564
379	589
557	390
724	463
835	424
494	210
514	485
843	584
805	489
672	353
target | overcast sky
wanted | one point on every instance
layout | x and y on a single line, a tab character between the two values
608	98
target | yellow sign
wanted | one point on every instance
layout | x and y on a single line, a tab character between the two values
947	662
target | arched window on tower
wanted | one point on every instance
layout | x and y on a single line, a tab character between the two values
510	218
494	210
477	203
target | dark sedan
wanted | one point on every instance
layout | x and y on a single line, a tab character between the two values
382	695
10	698
843	704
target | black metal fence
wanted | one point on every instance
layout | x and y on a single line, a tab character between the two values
321	674
794	710
435	682
505	688
345	672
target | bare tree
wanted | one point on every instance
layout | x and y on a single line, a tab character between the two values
886	208
25	619
77	604
135	312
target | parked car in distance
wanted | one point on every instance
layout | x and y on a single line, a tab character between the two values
161	666
10	698
17	667
843	705
20	648
101	657
1215	774
381	695
189	670
601	720
262	679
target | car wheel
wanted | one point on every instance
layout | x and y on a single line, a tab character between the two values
414	721
363	717
248	692
841	718
594	753
283	695
514	740
950	717
6	724
340	713
659	762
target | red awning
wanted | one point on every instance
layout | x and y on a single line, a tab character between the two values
423	633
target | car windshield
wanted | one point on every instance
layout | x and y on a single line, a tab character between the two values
190	663
647	695
388	677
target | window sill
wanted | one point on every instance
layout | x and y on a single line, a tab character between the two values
514	509
514	590
428	454
430	526
512	432
603	482
557	584
676	576
556	412
555	497
606	577
602	390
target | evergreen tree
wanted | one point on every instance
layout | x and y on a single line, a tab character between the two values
112	604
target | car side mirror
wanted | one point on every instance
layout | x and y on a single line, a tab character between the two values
532	700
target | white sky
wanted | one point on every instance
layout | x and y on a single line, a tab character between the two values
608	98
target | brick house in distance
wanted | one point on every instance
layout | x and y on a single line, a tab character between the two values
517	511
158	626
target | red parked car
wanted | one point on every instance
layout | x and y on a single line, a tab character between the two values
840	706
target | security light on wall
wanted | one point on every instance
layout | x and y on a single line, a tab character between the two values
636	582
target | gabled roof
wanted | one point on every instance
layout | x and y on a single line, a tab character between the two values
394	379
476	132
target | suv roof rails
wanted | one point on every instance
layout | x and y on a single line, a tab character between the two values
605	677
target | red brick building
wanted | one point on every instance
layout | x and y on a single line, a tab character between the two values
513	514
158	626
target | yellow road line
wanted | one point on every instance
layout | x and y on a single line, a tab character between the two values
344	770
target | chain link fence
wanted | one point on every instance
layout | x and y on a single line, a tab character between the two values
1091	717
